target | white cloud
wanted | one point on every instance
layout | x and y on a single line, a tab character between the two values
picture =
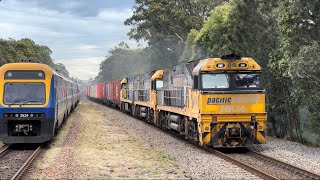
83	68
112	15
71	4
71	37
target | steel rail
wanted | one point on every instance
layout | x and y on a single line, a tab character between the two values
221	155
4	151
249	168
240	164
287	166
26	164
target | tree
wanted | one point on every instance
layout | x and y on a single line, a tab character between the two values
14	51
235	27
298	25
165	24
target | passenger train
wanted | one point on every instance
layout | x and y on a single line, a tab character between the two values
35	100
217	102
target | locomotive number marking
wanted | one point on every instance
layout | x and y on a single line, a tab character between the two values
232	109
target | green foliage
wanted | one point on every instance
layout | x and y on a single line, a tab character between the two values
189	53
12	51
236	27
165	24
214	34
298	32
305	74
283	36
123	61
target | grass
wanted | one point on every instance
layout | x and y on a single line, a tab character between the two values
104	149
109	151
55	146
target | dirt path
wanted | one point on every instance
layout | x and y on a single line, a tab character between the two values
94	145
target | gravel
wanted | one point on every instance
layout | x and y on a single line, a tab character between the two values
294	153
61	158
196	163
11	162
93	145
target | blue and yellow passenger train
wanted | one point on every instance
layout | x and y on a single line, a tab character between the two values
35	100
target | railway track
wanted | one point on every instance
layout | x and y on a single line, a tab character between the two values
14	161
262	166
279	169
221	155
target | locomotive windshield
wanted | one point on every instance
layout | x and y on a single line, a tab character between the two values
216	81
231	81
24	93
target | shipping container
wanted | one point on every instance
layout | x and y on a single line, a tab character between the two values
93	91
99	91
116	92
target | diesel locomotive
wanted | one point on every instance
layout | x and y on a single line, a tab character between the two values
35	100
217	102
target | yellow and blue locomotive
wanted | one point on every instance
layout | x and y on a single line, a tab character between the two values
35	100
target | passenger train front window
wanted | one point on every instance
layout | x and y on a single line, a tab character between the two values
24	93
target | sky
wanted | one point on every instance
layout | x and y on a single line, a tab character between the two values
79	32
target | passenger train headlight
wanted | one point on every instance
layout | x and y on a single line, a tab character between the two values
31	115
16	115
40	74
9	74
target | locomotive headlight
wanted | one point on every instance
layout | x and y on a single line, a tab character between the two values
220	65
9	74
40	74
31	115
16	115
5	115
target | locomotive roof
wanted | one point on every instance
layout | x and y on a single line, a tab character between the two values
219	64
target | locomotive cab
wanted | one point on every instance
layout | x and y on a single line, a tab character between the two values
231	100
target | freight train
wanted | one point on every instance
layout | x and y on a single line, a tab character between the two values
217	102
35	100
